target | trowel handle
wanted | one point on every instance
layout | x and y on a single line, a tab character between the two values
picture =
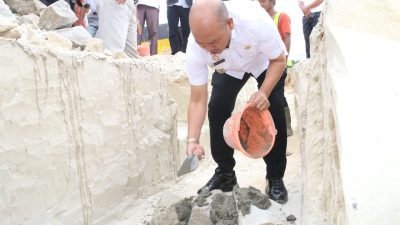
199	152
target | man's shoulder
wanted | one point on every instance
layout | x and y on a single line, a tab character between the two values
284	18
284	15
193	50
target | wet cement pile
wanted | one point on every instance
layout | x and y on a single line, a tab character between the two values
217	208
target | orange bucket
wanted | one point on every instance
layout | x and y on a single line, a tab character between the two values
144	49
251	131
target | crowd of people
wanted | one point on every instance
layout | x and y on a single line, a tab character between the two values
119	23
118	31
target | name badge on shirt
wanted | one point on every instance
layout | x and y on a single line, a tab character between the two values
217	62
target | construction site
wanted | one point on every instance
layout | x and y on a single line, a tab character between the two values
93	138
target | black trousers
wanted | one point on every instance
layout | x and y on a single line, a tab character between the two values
223	96
308	25
178	40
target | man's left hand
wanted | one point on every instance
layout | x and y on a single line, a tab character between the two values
259	100
306	12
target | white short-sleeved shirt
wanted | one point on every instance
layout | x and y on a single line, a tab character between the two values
152	3
313	10
182	3
254	40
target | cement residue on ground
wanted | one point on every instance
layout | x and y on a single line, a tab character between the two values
183	209
251	196
219	208
224	210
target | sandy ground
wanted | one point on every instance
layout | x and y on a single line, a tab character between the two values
249	172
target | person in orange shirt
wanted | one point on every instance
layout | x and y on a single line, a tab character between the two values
282	22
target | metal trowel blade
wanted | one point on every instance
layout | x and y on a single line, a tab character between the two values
189	164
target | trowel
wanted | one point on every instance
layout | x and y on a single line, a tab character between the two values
189	164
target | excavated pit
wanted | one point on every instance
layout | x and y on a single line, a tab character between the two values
89	137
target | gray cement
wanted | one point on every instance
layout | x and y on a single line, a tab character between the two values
250	196
223	210
183	209
215	207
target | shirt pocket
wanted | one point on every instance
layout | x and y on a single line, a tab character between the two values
248	51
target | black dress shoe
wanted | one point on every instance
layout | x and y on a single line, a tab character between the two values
222	181
276	190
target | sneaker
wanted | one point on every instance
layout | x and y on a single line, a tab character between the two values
276	190
222	181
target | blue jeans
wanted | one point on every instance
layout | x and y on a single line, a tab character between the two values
308	25
93	24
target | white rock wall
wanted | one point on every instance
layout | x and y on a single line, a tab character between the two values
346	99
322	186
79	134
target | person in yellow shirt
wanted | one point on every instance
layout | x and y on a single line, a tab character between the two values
282	22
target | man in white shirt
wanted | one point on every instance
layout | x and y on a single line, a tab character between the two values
148	11
311	10
238	44
178	12
118	26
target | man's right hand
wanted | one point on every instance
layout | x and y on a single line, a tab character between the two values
195	149
306	12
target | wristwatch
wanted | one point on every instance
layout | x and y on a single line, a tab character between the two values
192	140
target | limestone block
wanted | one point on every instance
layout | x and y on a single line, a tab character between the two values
56	16
94	45
5	10
24	7
6	23
58	41
33	36
15	33
178	85
119	55
29	19
80	135
78	35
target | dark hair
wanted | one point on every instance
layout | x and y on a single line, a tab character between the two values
86	6
79	3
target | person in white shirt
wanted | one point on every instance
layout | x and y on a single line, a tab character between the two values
311	10
178	12
148	11
118	26
238	44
